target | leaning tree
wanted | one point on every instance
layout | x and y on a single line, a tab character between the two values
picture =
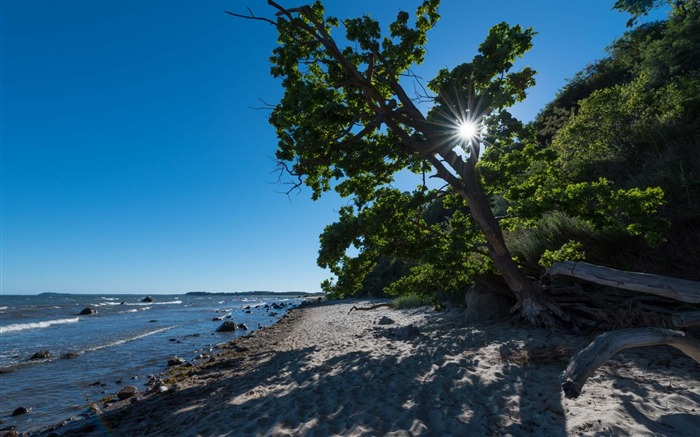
346	120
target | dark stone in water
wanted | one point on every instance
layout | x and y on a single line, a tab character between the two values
70	355
247	307
20	410
247	311
147	299
242	326
88	311
227	327
217	319
41	355
152	321
173	339
95	383
227	317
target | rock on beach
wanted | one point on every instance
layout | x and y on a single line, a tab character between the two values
127	392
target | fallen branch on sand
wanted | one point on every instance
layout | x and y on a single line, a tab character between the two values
586	362
373	307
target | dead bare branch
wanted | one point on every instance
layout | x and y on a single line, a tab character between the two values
252	17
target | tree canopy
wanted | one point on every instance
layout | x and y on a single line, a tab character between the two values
563	187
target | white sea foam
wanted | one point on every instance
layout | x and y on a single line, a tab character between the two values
126	340
22	326
3	308
136	310
172	302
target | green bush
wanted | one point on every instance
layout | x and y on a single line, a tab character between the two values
550	233
408	301
571	251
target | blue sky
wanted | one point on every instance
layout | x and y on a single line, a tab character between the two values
133	160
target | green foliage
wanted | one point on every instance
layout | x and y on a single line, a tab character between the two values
621	136
570	251
602	159
428	234
548	234
489	72
620	127
408	301
638	8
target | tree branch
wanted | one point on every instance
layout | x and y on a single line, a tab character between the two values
252	17
586	362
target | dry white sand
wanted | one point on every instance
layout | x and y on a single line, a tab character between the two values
322	372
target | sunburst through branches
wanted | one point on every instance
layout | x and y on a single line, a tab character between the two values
462	122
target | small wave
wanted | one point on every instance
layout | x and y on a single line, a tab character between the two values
3	308
46	324
140	304
108	298
136	310
126	340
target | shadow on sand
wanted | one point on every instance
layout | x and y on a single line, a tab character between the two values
445	387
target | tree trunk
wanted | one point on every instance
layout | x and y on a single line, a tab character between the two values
586	362
674	288
534	305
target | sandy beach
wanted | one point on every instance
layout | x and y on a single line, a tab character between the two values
323	371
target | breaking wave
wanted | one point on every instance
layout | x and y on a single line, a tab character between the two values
23	326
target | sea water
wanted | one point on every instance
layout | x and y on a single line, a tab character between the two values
122	344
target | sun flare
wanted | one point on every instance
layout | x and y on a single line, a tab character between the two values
467	130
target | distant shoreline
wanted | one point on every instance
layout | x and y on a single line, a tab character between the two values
189	293
253	293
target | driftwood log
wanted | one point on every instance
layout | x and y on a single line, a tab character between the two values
674	288
586	362
685	320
